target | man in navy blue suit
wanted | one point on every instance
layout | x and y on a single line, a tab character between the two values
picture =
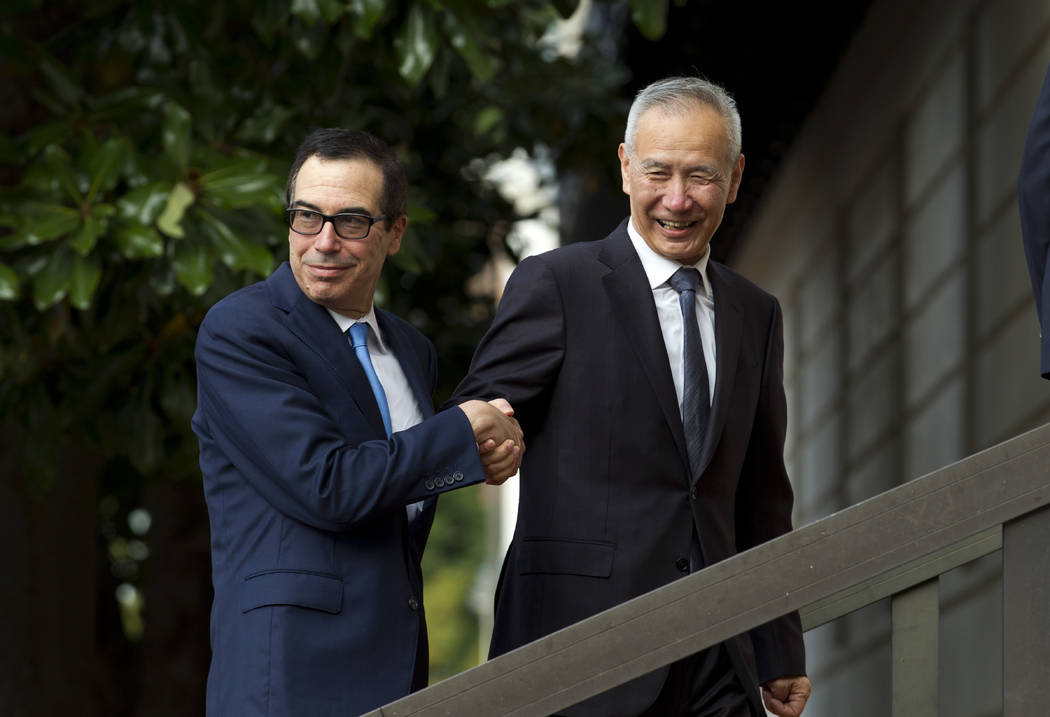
1033	194
322	457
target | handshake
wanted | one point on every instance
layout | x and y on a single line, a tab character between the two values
499	437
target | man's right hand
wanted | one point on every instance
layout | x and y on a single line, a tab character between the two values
499	437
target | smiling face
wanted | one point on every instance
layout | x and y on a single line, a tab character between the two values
680	178
341	274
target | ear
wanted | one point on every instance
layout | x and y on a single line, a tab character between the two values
395	233
625	169
734	179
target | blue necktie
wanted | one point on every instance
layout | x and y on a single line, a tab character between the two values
696	403
359	337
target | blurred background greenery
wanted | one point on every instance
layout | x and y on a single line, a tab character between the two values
143	150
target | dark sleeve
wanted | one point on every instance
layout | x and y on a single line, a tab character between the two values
764	503
1033	196
521	353
258	414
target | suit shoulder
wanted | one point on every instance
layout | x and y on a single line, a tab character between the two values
570	258
238	306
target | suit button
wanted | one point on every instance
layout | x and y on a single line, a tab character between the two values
458	476
429	483
413	603
694	493
682	564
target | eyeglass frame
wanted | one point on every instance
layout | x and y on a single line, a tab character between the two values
329	219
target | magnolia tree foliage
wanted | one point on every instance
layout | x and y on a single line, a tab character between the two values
144	146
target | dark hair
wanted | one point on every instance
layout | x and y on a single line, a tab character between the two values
336	143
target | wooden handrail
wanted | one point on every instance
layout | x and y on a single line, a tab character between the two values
878	547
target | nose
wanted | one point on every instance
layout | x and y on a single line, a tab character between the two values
326	241
677	198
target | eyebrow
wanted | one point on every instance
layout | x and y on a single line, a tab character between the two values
345	210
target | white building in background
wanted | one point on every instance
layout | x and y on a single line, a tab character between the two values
891	237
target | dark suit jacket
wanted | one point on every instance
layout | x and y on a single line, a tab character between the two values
607	506
318	594
1033	194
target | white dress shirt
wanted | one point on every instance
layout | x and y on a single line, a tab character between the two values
401	402
659	269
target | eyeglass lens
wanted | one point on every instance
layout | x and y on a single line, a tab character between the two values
348	226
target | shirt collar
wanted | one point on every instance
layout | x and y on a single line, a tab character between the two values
345	322
658	269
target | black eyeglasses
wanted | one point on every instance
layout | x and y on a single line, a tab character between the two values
348	226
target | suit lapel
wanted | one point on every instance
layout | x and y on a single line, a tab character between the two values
727	349
631	297
312	324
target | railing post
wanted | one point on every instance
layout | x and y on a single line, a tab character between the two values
916	613
1026	613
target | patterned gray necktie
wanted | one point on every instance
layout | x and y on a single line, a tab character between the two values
696	402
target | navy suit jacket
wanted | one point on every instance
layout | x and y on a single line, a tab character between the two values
1033	194
318	593
607	504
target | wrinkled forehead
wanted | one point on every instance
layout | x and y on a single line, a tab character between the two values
690	128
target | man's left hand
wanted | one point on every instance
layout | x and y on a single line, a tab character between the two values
786	696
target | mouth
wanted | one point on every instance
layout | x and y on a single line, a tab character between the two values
675	226
329	270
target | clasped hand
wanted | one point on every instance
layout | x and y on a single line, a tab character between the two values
499	437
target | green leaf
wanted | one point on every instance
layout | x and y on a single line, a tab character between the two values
365	14
416	45
137	241
235	252
94	225
243	184
52	172
104	164
60	81
176	135
179	200
52	133
650	17
307	10
314	11
265	126
487	119
144	204
51	284
9	289
194	266
83	281
461	35
127	103
331	10
43	222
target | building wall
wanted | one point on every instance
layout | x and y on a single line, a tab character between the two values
891	237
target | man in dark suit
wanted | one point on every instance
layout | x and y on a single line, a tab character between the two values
1033	195
322	457
648	381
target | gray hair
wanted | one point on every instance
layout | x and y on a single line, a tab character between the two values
679	94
